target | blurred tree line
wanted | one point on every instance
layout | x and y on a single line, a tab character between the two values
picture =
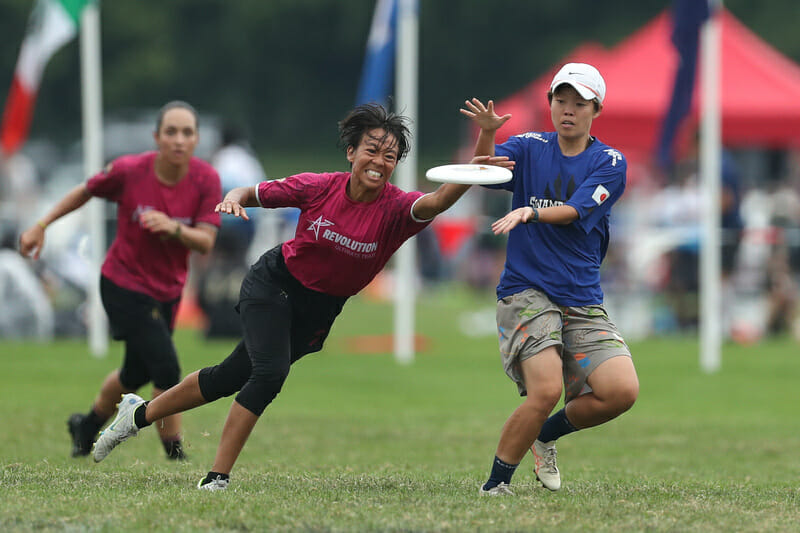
288	69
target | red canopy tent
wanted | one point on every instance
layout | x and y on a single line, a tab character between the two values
760	90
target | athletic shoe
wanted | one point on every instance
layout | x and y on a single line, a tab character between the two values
215	484
546	470
500	490
174	450
81	441
121	429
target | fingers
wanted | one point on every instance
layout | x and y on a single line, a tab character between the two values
497	160
30	242
510	221
231	208
474	107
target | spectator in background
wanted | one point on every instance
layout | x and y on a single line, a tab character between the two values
682	203
237	166
220	274
165	208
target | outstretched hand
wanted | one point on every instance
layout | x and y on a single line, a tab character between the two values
496	160
231	207
518	216
484	115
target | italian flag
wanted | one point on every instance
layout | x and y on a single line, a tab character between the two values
52	24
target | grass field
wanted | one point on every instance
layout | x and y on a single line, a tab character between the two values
356	442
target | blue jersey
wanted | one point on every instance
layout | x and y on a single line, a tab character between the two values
563	261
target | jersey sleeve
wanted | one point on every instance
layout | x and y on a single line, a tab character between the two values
604	186
210	196
513	149
109	183
293	191
410	224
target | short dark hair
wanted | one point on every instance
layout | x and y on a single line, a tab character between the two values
371	116
550	95
173	105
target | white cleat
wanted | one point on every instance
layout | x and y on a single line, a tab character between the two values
121	429
500	490
546	470
215	484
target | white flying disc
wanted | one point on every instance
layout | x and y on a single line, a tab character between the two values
469	174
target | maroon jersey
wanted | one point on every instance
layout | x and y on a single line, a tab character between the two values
340	245
139	260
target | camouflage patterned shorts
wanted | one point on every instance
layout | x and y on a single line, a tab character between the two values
528	322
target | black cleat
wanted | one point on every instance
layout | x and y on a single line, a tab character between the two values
81	441
175	451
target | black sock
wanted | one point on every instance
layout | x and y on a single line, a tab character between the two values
214	475
139	416
501	473
93	422
556	426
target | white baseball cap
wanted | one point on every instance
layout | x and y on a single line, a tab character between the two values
584	78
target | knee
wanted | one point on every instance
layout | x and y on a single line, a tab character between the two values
217	382
544	397
625	396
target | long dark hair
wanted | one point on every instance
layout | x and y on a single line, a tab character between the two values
367	117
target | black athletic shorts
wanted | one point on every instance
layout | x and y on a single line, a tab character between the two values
146	325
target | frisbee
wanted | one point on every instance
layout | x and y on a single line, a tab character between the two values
469	174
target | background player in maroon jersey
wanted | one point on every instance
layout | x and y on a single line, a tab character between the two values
165	208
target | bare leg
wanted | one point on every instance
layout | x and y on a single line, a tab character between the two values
542	374
169	428
238	425
615	388
105	404
182	397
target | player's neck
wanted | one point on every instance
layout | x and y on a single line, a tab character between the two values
573	146
167	173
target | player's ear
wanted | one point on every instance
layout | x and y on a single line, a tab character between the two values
351	151
598	108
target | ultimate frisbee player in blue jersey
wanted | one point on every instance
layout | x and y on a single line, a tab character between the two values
550	317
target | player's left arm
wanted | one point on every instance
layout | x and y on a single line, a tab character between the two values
199	238
440	200
594	198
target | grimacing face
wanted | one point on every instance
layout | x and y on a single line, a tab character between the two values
373	160
177	137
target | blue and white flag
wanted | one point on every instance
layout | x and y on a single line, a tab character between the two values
378	72
688	17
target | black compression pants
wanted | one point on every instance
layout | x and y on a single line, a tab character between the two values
282	321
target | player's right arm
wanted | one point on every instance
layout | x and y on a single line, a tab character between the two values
236	200
487	120
32	239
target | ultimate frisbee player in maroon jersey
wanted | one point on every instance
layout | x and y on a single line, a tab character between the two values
350	224
165	208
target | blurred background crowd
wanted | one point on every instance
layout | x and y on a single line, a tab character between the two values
271	79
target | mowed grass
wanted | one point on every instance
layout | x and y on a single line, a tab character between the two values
357	442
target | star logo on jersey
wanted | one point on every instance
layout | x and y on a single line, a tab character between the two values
319	223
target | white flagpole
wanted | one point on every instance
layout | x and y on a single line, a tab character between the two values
406	66
710	174
92	111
